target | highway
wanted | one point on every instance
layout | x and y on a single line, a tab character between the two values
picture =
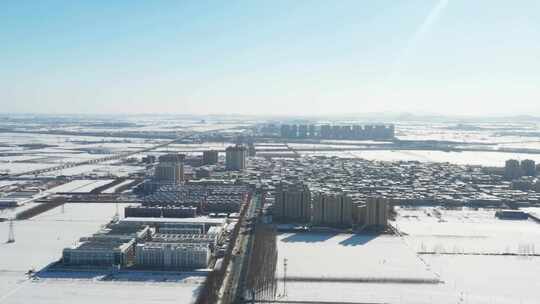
233	281
106	158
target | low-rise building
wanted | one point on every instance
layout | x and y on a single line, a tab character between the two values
177	256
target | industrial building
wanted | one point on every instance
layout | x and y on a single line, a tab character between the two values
292	202
172	256
235	158
160	243
332	209
111	246
170	169
188	238
511	215
178	246
160	211
210	157
100	252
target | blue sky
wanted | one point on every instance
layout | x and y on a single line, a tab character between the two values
271	57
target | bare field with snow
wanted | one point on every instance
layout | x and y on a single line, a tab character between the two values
39	242
467	279
326	255
467	231
478	279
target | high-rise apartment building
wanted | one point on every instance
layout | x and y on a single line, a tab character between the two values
235	158
376	213
292	202
170	169
331	209
512	169
528	167
210	157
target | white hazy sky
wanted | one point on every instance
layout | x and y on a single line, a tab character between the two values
462	57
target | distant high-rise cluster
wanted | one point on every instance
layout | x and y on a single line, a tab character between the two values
514	169
294	202
359	132
235	157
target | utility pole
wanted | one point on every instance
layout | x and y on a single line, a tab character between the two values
285	277
11	236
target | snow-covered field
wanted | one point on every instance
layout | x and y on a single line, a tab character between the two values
84	291
80	186
467	279
479	279
348	256
467	231
39	242
113	188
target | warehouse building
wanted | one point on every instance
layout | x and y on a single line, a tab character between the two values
158	211
511	215
99	252
112	245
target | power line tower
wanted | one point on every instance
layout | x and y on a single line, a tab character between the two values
285	277
11	236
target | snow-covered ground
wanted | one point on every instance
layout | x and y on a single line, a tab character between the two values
479	279
113	188
84	291
39	242
467	231
467	279
348	256
79	186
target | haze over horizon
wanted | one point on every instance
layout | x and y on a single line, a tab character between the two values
452	57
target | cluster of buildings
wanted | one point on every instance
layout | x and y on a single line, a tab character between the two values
295	202
192	199
149	243
400	182
358	132
170	168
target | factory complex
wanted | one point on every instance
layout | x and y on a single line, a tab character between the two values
148	243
